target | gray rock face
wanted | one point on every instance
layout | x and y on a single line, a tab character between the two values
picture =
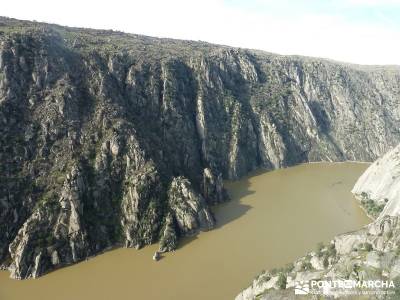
381	183
53	234
117	139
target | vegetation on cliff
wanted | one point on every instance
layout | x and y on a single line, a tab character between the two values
111	139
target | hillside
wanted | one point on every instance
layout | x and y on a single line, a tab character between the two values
111	139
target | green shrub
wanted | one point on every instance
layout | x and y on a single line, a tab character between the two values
319	249
371	207
282	280
367	247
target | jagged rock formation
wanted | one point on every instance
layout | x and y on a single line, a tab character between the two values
371	253
113	139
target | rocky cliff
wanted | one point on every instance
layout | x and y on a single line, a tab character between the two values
371	253
110	139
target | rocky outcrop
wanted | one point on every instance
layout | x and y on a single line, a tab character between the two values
371	253
368	254
152	126
379	186
213	187
188	213
188	208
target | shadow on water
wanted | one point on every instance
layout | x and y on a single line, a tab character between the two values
186	240
234	208
230	210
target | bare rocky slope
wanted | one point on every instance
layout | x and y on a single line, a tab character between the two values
379	187
112	139
371	253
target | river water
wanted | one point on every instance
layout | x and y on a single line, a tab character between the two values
273	218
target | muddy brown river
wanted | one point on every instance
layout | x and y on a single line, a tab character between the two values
273	218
